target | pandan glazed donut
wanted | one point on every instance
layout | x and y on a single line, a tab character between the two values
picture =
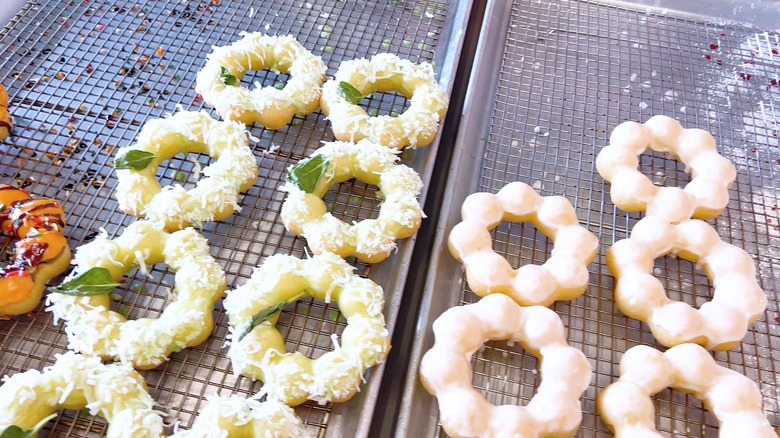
116	392
219	82
236	416
257	348
40	253
6	124
415	127
214	198
83	298
371	240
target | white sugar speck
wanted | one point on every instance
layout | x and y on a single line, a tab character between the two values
683	109
537	185
537	129
643	105
633	77
654	73
670	95
646	84
514	143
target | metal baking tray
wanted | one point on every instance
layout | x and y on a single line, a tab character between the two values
551	80
83	78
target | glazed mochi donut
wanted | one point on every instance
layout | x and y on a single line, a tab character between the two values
214	198
445	371
415	127
116	392
95	330
257	348
704	197
226	416
40	253
720	323
219	82
371	240
733	399
6	124
564	276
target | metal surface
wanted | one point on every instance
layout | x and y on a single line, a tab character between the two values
83	78
552	79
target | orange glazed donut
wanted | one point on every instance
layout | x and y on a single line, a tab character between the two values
5	117
41	252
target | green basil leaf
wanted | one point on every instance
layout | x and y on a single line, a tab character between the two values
308	172
17	432
226	77
95	281
263	316
352	94
134	159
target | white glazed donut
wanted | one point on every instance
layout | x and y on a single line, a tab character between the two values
564	276
704	197
214	198
415	127
445	371
219	82
733	399
720	323
116	392
371	240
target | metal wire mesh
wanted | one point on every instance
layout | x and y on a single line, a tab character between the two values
569	73
83	78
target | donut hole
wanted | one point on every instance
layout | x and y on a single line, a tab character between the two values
385	103
521	243
144	296
663	170
505	373
184	169
353	200
683	280
681	414
307	324
265	78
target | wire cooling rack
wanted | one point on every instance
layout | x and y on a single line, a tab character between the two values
84	76
554	78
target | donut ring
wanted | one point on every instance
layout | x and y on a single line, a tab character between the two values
293	378
93	329
415	127
445	371
704	197
237	416
40	254
733	399
214	198
219	82
564	276
371	240
116	392
6	123
720	323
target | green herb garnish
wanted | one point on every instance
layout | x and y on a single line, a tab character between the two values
17	432
134	159
226	77
307	173
95	281
352	94
264	315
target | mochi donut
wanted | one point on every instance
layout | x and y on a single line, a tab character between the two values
355	79
116	392
40	253
704	197
719	324
226	416
304	213
215	196
83	298
6	123
564	276
445	371
733	399
257	348
219	82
